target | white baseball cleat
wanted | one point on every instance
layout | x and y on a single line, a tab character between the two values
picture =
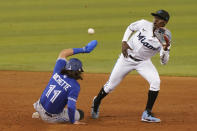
146	117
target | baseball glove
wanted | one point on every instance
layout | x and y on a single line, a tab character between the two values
164	36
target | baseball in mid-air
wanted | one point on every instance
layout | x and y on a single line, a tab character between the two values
91	31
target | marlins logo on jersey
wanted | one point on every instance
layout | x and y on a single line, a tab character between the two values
143	43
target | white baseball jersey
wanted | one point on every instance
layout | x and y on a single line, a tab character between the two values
143	44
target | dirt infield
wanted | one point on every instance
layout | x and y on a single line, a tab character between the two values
121	110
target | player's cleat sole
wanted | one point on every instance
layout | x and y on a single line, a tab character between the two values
150	121
94	114
149	118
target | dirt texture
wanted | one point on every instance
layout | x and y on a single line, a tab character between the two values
121	110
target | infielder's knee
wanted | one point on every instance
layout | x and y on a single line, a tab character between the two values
155	85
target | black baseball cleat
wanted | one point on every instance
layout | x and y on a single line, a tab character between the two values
95	109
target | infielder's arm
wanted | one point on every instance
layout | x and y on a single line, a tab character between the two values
164	56
126	37
125	46
128	33
165	51
72	51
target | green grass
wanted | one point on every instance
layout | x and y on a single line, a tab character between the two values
33	32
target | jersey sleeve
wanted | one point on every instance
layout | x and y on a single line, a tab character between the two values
71	110
72	99
136	25
131	28
73	95
60	63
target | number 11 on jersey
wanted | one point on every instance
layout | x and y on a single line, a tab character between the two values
55	93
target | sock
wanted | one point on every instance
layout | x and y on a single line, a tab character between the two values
98	99
152	96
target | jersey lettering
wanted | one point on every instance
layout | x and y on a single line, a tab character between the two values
142	39
61	82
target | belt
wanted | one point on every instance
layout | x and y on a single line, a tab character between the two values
48	114
134	58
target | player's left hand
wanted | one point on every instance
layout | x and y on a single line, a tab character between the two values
90	46
163	36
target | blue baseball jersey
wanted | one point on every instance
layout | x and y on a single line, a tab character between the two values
60	91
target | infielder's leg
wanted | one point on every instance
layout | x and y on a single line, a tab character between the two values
149	72
120	70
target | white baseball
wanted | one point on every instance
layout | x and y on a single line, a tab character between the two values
91	31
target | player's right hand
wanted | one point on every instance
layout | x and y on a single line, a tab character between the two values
125	46
90	46
79	123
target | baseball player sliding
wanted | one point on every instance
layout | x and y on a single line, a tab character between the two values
63	89
141	41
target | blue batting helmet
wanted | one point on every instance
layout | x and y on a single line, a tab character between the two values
74	64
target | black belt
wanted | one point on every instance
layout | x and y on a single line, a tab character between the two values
48	114
134	58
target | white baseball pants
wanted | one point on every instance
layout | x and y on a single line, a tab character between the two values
55	118
125	65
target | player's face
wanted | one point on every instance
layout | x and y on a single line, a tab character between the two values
158	22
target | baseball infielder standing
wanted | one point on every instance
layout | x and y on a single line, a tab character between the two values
63	89
148	38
